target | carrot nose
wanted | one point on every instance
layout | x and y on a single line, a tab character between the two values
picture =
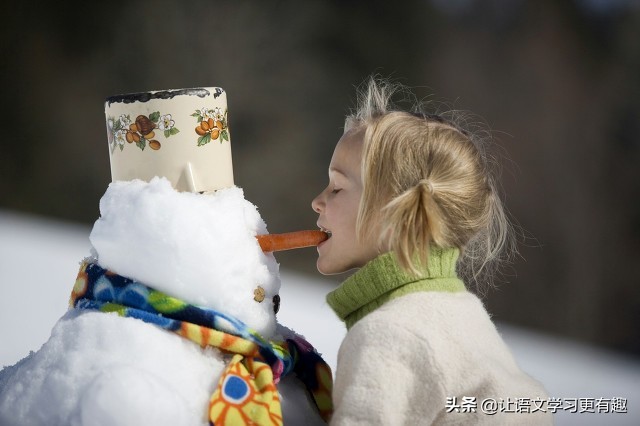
291	240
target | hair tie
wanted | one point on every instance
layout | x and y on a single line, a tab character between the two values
427	183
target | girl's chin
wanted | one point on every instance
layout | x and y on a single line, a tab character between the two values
322	269
327	269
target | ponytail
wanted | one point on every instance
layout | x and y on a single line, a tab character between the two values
411	221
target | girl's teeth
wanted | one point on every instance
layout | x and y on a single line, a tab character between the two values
325	230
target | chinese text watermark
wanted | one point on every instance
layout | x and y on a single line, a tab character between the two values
490	406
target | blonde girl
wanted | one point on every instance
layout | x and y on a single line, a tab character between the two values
412	204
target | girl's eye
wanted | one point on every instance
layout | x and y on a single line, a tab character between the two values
335	191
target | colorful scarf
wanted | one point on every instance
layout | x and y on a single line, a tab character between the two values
246	392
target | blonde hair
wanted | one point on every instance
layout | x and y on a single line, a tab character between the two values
427	181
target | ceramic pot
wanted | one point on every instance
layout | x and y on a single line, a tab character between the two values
180	134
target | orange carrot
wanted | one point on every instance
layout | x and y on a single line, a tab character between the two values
291	240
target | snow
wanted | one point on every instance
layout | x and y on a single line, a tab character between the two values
39	260
189	246
66	391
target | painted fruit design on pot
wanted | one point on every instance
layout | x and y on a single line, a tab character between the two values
143	130
212	125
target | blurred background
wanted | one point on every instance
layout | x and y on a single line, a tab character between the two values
558	81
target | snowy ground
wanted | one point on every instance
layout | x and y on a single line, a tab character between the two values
39	260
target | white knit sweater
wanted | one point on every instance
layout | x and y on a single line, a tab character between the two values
422	350
400	363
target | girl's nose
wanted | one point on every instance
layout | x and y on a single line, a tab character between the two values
317	204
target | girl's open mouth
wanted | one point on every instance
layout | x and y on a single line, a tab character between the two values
326	231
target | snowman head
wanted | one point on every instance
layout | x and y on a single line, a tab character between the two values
199	248
172	218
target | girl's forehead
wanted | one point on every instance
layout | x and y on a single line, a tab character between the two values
347	154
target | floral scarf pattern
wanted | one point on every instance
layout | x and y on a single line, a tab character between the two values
246	392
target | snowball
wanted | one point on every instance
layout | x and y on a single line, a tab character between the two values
199	248
94	360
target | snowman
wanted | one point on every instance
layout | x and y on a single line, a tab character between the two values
172	317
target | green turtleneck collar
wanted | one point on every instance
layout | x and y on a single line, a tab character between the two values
382	279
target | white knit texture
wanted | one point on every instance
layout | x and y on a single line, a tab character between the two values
398	365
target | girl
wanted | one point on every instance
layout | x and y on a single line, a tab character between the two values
411	200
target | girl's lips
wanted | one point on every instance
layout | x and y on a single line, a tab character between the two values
327	232
324	242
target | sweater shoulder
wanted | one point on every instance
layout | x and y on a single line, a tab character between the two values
427	313
417	324
453	330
